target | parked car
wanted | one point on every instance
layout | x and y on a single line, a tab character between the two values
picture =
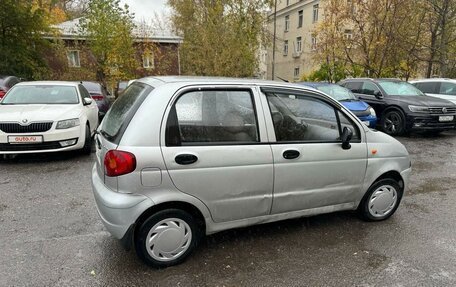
440	88
362	110
178	158
6	83
100	95
47	117
401	107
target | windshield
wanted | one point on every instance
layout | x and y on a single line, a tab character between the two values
337	92
400	88
41	94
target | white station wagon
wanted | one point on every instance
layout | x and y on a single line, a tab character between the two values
180	157
47	117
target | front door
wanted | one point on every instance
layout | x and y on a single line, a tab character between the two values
213	151
310	167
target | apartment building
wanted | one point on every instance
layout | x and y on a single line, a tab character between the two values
295	42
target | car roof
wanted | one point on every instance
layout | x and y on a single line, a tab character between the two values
45	83
434	80
372	79
316	84
195	80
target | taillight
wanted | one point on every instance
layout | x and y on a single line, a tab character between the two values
97	97
2	93
119	162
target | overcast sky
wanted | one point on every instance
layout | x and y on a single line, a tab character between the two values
145	9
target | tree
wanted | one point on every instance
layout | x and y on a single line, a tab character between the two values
221	37
383	38
21	42
108	28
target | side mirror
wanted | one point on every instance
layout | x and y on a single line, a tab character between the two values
87	101
378	95
346	138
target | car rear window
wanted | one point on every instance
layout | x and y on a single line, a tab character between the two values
123	110
92	87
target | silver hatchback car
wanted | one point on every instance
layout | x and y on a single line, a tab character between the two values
181	157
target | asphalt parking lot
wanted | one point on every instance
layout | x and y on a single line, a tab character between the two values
50	235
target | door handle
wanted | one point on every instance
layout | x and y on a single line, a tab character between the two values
184	159
291	154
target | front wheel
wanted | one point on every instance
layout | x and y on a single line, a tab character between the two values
381	200
166	238
87	148
393	123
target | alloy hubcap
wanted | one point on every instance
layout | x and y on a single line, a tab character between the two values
168	239
382	201
392	123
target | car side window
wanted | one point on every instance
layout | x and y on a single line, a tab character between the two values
304	119
213	117
355	87
428	87
84	93
370	89
448	89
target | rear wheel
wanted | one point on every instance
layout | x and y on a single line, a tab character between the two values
87	148
381	200
167	238
393	123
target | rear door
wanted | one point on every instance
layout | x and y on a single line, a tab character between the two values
216	150
311	169
115	123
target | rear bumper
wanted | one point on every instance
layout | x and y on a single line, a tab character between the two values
118	211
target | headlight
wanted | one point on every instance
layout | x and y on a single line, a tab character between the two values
418	109
372	111
66	124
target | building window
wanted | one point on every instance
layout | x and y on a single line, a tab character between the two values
298	44
296	72
315	13
288	2
73	59
300	18
287	23
148	61
285	47
348	34
314	43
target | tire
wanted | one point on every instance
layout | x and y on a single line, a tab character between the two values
393	123
179	236
87	148
381	192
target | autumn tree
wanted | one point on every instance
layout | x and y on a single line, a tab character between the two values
380	38
108	28
441	37
221	37
21	41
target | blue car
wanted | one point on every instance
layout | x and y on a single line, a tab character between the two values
361	109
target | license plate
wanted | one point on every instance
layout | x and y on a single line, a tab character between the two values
25	139
446	118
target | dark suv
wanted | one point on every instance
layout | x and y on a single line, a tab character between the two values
401	107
